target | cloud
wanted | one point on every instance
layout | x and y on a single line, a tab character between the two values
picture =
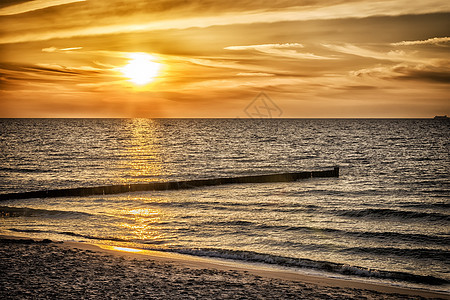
393	55
71	70
300	51
32	6
423	72
356	87
265	46
438	73
432	41
49	49
282	50
211	62
54	49
71	49
42	74
187	17
218	63
257	74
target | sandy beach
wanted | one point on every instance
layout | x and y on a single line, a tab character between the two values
36	269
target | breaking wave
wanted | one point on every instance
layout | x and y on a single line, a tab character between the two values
345	269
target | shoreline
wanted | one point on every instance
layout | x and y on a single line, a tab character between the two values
236	276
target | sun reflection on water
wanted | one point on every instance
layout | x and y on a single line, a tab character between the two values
125	249
144	212
142	223
142	160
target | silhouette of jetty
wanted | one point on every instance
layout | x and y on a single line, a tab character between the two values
441	117
174	185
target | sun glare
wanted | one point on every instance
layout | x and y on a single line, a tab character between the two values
141	69
124	249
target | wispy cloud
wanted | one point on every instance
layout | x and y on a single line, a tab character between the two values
437	73
26	75
81	69
282	50
265	46
54	49
32	6
392	55
432	41
361	9
71	48
255	74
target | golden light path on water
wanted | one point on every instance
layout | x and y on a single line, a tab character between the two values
142	163
143	153
125	249
143	223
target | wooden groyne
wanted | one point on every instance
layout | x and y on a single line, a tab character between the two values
171	185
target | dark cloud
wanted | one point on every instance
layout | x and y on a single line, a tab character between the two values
49	70
428	73
439	72
6	3
22	76
357	87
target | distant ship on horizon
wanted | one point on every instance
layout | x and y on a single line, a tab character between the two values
441	117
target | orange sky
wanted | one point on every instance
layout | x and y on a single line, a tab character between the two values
314	59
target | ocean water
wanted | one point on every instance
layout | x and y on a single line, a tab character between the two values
385	218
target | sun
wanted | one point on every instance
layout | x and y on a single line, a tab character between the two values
141	69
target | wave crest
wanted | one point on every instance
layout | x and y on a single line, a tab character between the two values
9	211
339	268
392	213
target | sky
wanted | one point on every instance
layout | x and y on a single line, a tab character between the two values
225	59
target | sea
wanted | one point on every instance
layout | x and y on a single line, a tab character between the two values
384	219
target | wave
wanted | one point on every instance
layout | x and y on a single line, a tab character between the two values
8	211
393	236
232	223
405	237
427	205
392	213
69	233
416	253
385	235
345	269
24	170
90	237
250	256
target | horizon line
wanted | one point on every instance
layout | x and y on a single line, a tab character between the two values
238	118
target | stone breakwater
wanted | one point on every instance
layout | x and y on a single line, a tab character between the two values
174	185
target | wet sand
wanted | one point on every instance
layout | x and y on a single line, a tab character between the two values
32	269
